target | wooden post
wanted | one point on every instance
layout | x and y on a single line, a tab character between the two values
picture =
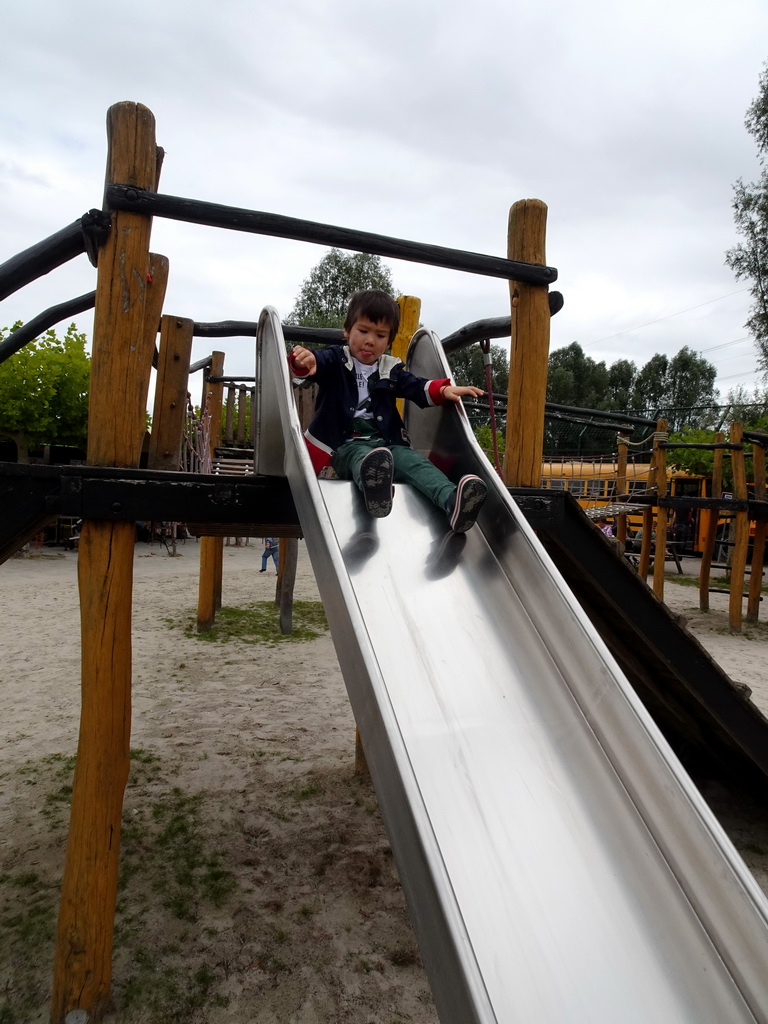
711	532
410	311
758	541
662	514
242	405
529	355
170	407
288	560
120	372
648	525
229	434
621	485
740	548
211	548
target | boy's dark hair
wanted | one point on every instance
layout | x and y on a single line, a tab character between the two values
375	306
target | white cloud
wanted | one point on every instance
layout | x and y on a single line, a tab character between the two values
420	121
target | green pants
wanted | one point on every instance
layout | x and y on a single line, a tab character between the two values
411	467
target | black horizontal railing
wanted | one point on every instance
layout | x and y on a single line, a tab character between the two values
195	211
42	322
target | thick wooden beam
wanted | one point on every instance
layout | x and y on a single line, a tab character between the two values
410	311
120	371
170	406
662	514
530	349
648	522
211	548
288	561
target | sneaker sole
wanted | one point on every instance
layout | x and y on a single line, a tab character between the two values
376	471
469	500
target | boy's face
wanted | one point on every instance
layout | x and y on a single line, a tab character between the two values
368	341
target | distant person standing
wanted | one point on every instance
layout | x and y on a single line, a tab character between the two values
270	551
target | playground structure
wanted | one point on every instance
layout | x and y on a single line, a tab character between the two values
586	761
650	493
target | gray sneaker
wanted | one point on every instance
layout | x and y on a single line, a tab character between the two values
376	472
463	506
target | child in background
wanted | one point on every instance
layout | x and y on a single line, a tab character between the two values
357	428
271	549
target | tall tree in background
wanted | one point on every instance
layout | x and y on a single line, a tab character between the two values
324	296
690	386
749	259
576	379
44	392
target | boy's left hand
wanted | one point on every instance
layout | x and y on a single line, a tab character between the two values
453	392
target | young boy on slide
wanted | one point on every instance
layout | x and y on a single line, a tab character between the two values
357	428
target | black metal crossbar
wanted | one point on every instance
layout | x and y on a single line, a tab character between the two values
194	211
48	318
723	445
41	258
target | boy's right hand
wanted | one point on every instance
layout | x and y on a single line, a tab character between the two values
303	359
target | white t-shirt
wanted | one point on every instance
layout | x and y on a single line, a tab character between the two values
362	372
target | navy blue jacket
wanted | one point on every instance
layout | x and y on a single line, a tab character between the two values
337	399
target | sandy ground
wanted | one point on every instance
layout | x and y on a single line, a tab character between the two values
255	745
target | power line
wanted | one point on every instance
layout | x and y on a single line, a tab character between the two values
725	344
727	359
734	376
650	323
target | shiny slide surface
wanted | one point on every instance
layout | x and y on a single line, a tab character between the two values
558	863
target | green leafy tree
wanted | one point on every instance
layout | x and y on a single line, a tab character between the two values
749	258
324	296
44	392
485	440
690	386
650	388
576	379
621	381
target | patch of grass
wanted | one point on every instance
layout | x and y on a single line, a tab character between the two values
161	993
693	581
259	623
163	842
682	581
307	792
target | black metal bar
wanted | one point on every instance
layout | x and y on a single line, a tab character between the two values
48	318
226	329
756	509
231	380
41	258
153	204
725	445
249	329
200	364
479	330
641	421
494	327
756	437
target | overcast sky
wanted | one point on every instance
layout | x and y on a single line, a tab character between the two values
421	119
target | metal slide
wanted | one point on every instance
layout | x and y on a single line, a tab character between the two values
558	863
